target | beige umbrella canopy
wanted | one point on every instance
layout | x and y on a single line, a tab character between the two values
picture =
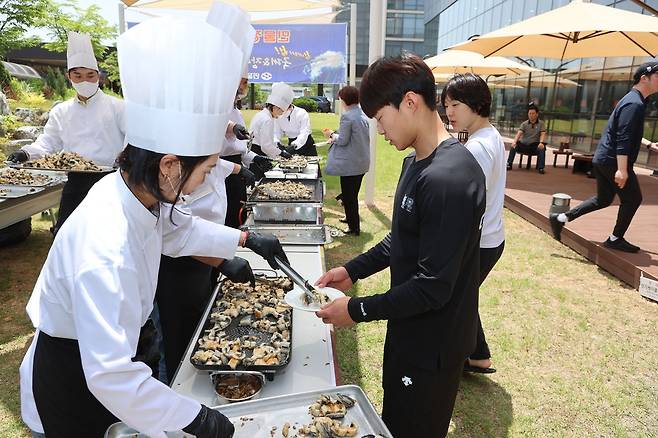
247	5
577	30
442	78
535	81
462	61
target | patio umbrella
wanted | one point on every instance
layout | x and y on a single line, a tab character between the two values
442	78
462	61
577	30
535	81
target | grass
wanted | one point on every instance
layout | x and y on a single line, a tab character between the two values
575	348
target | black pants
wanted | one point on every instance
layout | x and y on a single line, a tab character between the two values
606	188
184	288
418	402
488	259
74	191
236	194
66	406
531	148
308	149
349	188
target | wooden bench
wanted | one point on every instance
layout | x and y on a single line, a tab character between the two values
582	163
563	150
526	154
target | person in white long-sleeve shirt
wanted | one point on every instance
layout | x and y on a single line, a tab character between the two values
262	124
97	286
295	123
90	124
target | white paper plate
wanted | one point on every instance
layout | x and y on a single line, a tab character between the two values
294	298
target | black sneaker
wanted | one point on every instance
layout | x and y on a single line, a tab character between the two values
621	245
556	226
509	166
541	171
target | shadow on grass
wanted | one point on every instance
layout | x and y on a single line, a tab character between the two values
572	258
9	394
483	408
380	216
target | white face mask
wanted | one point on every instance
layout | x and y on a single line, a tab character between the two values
85	89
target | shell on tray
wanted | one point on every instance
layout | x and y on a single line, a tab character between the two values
64	161
21	177
284	190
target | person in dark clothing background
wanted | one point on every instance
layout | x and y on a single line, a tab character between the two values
613	161
432	251
530	139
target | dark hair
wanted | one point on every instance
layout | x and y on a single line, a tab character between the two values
471	90
143	168
349	95
532	106
269	106
388	79
646	69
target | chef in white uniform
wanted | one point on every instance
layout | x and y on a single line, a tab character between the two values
97	286
262	125
90	124
295	123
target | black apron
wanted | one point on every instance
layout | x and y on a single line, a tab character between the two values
184	288
236	194
74	191
308	149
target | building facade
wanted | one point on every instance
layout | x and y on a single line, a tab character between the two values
576	113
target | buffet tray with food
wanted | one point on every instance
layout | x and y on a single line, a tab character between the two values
248	328
18	191
341	411
285	190
63	162
296	234
31	178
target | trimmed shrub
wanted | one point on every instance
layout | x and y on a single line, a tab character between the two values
308	104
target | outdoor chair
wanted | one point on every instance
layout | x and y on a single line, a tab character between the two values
526	154
563	150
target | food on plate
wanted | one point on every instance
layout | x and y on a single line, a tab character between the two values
20	177
283	190
64	161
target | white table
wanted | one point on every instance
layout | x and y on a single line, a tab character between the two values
17	209
311	364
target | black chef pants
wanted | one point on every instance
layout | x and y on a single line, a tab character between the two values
74	191
488	259
66	406
418	402
308	149
236	194
630	197
184	288
349	188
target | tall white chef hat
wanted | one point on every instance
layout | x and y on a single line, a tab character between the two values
281	95
236	24
179	78
79	52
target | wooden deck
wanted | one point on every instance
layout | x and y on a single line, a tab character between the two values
529	194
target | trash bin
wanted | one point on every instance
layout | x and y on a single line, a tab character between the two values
560	203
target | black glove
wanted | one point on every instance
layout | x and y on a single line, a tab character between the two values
240	132
247	175
18	157
291	150
279	145
264	163
285	154
210	424
257	171
267	246
237	270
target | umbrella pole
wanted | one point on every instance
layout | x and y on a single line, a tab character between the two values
527	94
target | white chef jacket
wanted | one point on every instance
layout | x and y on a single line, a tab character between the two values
97	286
297	125
233	146
94	129
262	131
208	201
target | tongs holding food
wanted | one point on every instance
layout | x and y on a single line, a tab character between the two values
296	278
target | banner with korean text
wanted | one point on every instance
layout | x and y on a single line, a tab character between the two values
299	53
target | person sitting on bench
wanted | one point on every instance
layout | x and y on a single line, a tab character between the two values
529	139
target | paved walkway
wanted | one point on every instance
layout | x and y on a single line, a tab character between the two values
529	194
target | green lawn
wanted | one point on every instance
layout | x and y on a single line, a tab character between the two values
575	348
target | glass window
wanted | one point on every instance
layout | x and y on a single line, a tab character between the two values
544	6
517	11
530	9
496	17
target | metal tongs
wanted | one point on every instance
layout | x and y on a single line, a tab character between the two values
296	278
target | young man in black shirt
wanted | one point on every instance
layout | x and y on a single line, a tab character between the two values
614	158
432	251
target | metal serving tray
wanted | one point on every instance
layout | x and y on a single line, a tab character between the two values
235	331
313	184
296	234
255	419
18	191
103	169
270	212
53	178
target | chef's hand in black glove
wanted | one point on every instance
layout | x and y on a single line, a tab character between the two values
291	150
247	175
257	171
279	145
237	270
240	132
18	157
263	162
210	424
267	246
285	154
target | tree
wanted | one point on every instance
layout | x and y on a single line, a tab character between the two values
60	18
110	64
16	16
